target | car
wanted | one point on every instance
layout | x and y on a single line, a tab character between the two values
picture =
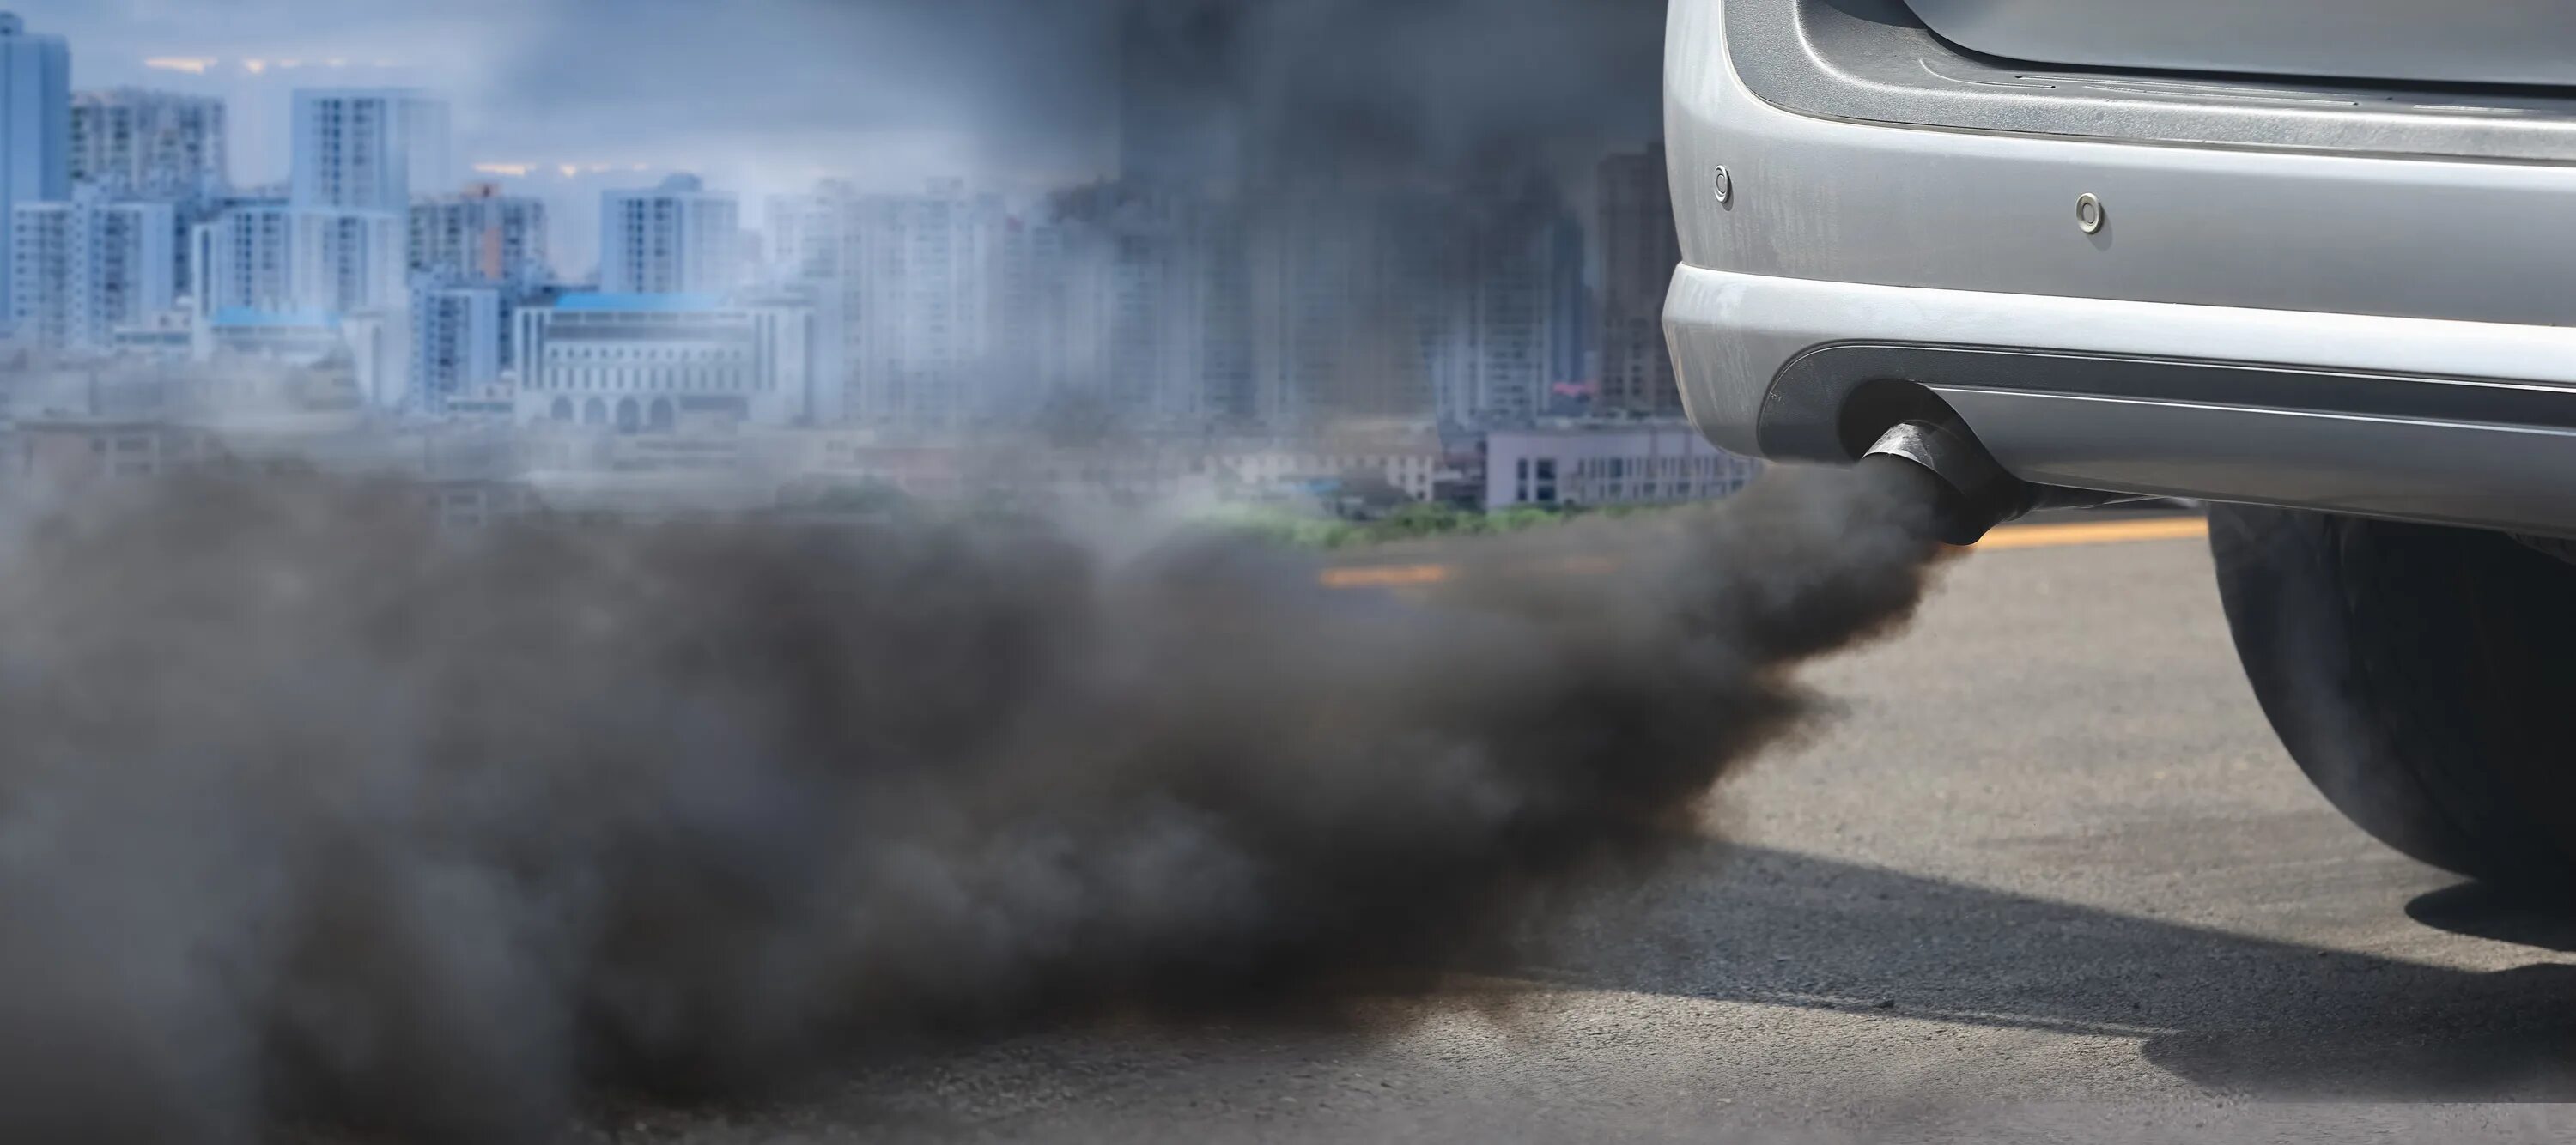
2312	262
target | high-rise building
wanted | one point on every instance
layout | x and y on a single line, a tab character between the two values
163	146
1155	292
1497	356
1355	305
827	373
358	157
940	308
348	261
379	345
83	268
1233	387
804	233
676	238
149	144
244	259
480	235
1377	302
1639	249
1053	297
476	257
35	127
367	149
1569	305
191	211
456	342
920	274
273	257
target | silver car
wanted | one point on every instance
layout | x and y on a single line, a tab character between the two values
2060	249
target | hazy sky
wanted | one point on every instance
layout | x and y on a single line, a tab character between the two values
566	97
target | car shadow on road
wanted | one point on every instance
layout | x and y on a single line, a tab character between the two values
2484	910
2230	1014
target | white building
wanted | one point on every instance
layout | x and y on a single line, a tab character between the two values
35	126
1353	305
480	235
802	239
1497	352
367	149
456	343
169	336
902	288
1156	299
82	269
1054	306
957	307
475	257
1412	466
920	274
1608	463
289	282
1179	310
827	343
290	337
348	261
165	146
1639	245
243	259
275	257
677	238
151	144
379	345
640	363
1369	303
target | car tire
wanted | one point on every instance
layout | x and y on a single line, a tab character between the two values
2423	677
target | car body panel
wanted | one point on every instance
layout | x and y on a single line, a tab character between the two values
1872	61
2477	41
1852	202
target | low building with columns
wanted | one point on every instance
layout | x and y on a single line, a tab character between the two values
661	363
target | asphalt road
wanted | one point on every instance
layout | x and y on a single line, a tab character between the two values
2046	877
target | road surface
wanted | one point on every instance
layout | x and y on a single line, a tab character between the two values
2047	876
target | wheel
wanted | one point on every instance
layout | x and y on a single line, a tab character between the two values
2423	677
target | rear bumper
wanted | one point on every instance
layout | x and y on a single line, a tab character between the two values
1980	209
2425	419
2316	326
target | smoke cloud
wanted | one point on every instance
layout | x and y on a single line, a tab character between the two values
1356	87
1294	87
311	811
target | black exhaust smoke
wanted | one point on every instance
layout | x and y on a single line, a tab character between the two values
310	811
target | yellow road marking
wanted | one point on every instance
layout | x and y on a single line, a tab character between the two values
1401	576
1385	576
2094	533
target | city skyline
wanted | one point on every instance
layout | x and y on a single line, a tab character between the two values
1416	278
1234	271
564	99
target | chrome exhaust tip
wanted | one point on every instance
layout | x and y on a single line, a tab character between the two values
1970	491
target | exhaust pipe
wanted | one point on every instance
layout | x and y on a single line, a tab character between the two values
1970	491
